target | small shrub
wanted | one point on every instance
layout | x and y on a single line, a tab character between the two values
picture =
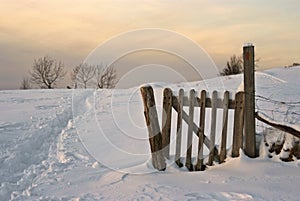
234	66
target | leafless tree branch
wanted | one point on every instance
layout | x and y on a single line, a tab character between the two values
84	73
25	84
106	77
46	72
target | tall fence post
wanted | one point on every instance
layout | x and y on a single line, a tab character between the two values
249	85
155	137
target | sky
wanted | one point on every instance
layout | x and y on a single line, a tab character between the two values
70	30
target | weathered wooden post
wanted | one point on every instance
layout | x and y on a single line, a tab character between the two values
224	128
214	101
238	126
188	162
199	166
166	121
249	87
155	137
179	128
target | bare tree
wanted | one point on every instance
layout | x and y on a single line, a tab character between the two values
106	77
25	84
74	76
234	66
84	73
46	72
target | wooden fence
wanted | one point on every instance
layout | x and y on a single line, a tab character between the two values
160	139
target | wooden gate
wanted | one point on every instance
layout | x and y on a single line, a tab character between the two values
160	139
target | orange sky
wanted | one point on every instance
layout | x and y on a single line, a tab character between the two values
70	30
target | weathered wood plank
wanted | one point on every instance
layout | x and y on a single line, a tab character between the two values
166	121
199	165
249	86
155	137
179	128
238	124
208	104
224	129
213	127
188	162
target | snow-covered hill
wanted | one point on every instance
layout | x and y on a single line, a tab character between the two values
93	145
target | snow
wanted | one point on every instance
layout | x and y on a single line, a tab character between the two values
93	145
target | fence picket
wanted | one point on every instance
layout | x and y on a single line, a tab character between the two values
199	165
179	128
188	162
213	127
224	129
238	124
166	121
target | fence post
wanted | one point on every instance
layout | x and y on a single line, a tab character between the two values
166	121
249	84
155	137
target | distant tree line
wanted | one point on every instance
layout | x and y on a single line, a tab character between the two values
293	65
46	72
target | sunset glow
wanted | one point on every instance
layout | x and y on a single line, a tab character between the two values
70	30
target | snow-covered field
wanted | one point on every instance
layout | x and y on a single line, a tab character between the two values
93	145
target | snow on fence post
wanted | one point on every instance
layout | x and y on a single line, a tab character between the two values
249	83
238	124
166	121
155	137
